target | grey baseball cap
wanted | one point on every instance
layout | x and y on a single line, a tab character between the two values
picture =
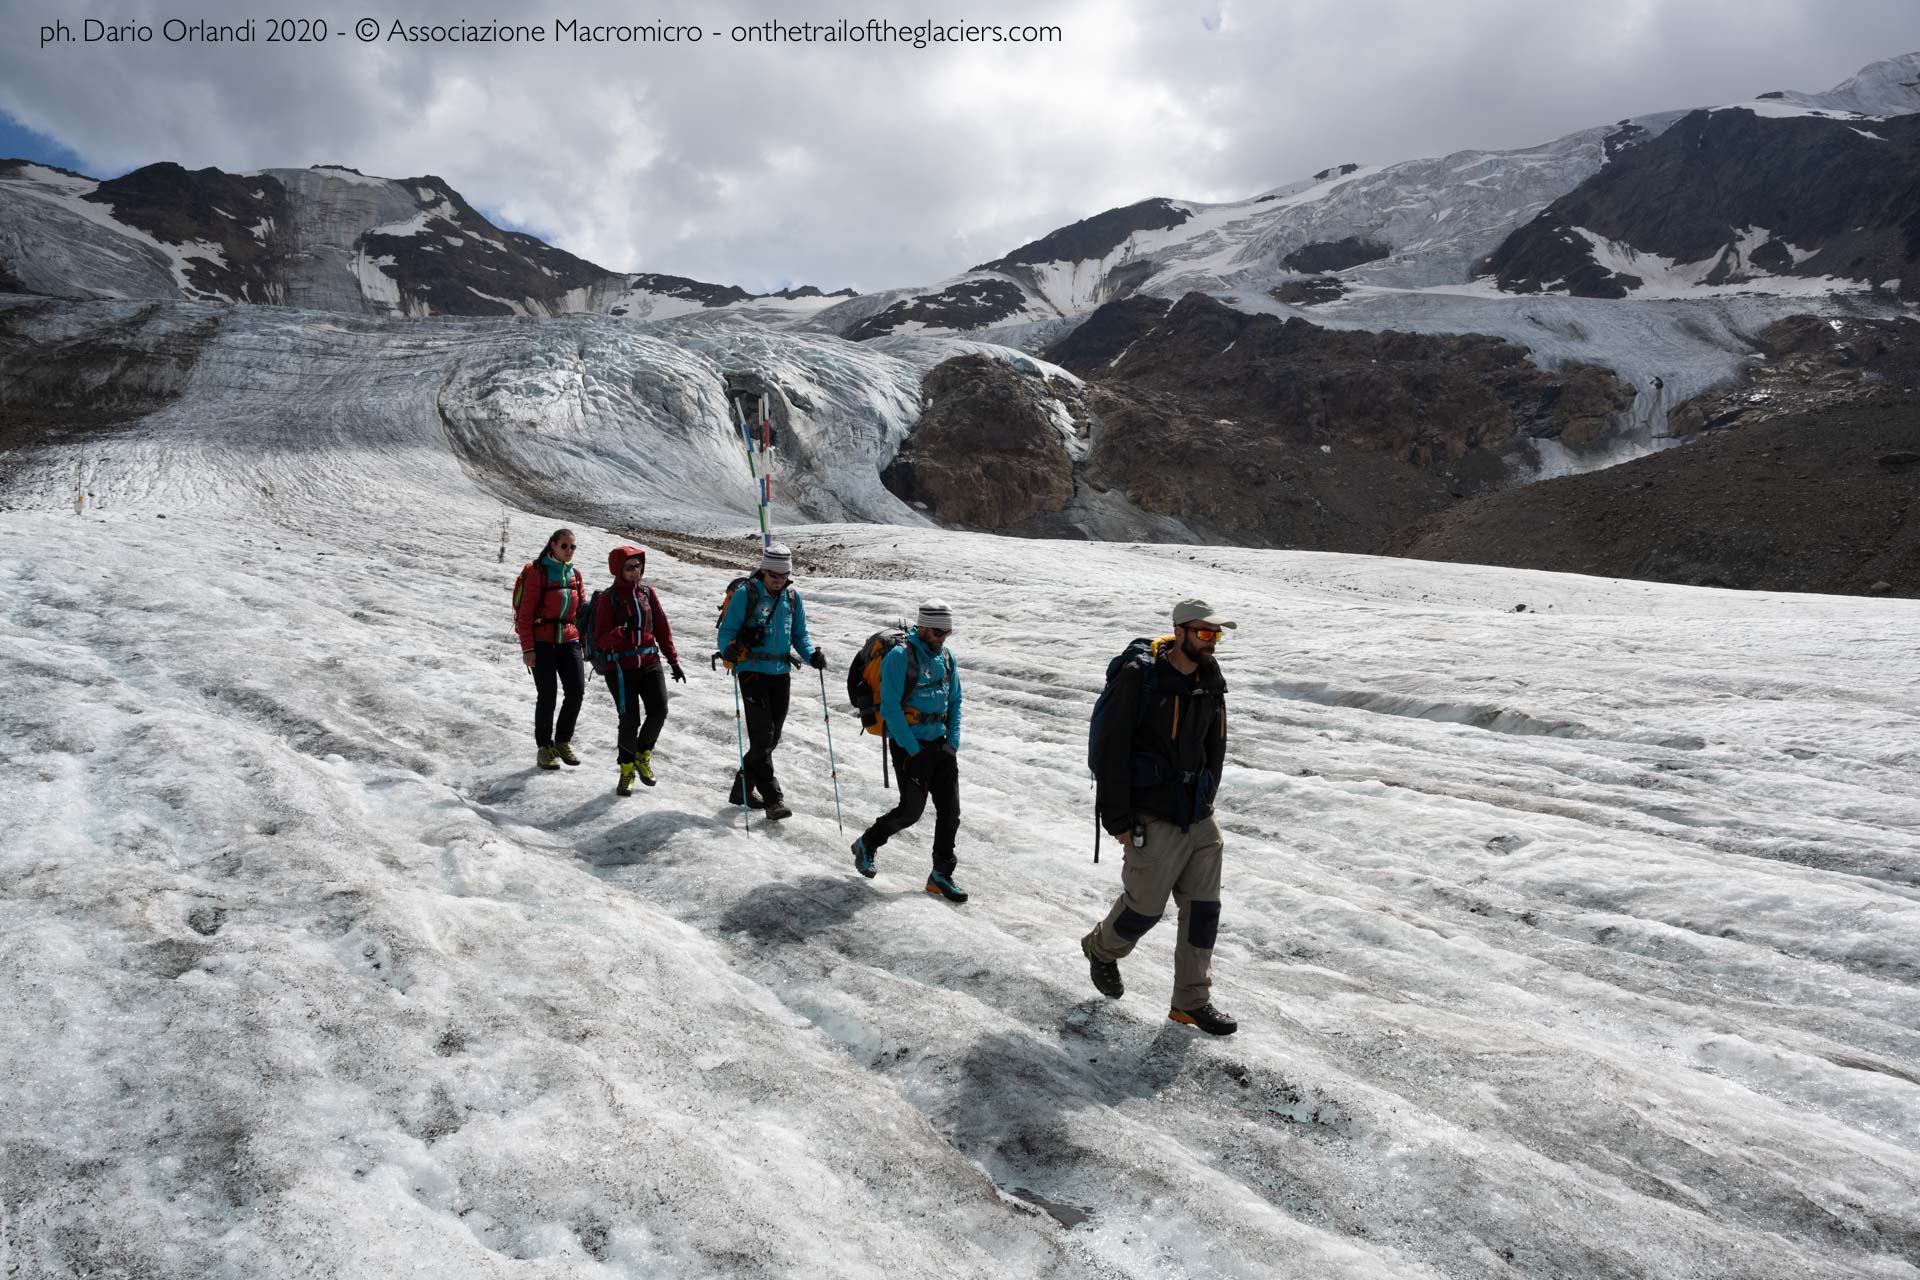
1188	612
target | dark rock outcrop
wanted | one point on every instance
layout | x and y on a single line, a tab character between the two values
970	304
1804	502
500	264
1335	255
1458	405
1810	363
988	451
1847	192
1256	430
244	217
1093	238
1240	480
1309	292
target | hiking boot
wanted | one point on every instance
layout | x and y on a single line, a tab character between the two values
777	809
564	750
1105	973
863	858
941	883
645	766
625	788
549	758
753	797
1207	1018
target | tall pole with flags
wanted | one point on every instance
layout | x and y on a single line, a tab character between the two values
757	437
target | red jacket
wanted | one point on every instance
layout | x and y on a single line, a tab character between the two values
547	603
630	621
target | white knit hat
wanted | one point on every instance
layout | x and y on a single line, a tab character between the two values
934	616
777	558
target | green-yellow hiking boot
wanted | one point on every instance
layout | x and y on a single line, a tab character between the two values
564	750
547	759
646	766
626	781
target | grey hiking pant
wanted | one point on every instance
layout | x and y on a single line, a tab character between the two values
1185	864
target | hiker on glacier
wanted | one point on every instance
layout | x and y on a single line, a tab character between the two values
919	703
546	614
632	639
1158	742
763	625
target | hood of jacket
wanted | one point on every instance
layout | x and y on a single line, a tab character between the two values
618	557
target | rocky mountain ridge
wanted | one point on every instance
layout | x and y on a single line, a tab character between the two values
328	238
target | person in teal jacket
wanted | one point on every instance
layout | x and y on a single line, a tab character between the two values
922	720
762	628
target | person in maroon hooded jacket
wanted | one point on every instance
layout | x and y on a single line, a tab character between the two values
546	612
631	626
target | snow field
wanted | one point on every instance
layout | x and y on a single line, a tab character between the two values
324	977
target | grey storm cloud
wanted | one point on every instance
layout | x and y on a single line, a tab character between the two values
876	165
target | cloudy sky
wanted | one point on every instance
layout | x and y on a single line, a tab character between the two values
873	166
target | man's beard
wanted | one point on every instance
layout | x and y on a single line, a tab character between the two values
1192	648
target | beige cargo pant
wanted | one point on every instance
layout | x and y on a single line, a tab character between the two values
1185	864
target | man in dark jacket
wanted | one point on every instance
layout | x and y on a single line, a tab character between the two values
1158	757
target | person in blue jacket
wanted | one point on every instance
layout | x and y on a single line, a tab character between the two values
763	626
923	734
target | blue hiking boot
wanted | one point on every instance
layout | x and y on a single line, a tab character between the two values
862	858
941	883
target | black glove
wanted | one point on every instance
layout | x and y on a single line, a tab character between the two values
818	661
678	674
793	659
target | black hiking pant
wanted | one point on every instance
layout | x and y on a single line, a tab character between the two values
632	690
934	772
763	699
556	664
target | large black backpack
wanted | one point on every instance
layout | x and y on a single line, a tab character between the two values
1140	653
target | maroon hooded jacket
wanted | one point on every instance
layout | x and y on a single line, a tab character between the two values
630	621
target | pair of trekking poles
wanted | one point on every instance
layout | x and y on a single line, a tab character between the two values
740	748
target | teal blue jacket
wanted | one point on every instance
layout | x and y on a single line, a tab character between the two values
783	623
935	696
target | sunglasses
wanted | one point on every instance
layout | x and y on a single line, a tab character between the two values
563	546
632	566
1204	633
772	576
931	634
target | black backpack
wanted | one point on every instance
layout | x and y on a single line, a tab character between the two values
1140	653
597	658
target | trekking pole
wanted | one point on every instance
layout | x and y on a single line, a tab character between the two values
833	769
1096	833
739	746
884	784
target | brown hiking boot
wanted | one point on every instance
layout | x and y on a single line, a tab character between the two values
1105	973
564	750
1207	1018
548	758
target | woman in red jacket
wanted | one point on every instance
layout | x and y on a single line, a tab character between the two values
631	627
546	612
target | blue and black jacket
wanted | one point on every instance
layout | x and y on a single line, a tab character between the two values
934	699
781	623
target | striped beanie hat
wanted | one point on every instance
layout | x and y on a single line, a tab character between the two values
776	558
934	616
